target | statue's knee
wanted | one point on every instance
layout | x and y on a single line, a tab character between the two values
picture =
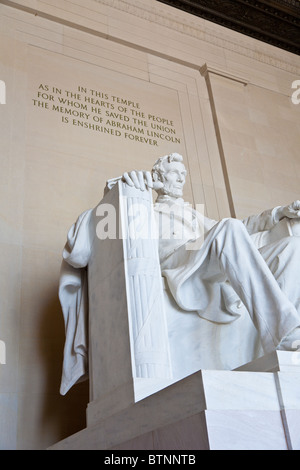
234	225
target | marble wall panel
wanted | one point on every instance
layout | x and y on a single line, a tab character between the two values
260	139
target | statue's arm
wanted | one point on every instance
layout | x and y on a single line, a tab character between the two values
267	219
261	222
292	211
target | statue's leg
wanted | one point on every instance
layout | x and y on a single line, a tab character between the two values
283	259
272	312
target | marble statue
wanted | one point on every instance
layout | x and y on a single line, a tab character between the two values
232	264
228	254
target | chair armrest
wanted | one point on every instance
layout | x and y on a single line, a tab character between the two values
285	228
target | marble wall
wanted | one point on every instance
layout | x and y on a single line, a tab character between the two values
96	88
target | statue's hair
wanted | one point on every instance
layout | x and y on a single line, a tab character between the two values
158	167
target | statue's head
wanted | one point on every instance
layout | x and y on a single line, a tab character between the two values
168	174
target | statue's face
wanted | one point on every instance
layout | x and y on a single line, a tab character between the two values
174	178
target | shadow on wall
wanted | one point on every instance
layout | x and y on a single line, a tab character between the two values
53	417
61	415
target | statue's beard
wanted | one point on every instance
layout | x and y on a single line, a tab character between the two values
172	192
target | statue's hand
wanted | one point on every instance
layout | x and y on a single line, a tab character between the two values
141	180
292	211
138	179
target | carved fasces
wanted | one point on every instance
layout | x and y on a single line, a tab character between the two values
147	320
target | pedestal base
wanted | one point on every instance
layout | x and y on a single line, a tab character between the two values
246	409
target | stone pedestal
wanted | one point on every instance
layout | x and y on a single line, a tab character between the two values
254	408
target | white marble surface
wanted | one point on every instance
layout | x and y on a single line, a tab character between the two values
293	423
289	389
232	410
284	361
245	430
239	391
